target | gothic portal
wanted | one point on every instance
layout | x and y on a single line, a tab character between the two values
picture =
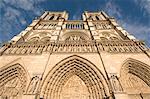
57	58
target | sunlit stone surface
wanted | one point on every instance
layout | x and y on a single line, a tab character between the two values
74	89
57	58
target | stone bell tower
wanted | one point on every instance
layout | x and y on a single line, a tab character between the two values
57	58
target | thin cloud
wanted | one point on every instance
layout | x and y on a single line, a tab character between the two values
27	5
144	5
77	14
141	32
113	9
12	17
76	17
23	4
11	13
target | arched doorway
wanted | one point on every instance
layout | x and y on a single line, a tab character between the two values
74	72
13	81
135	79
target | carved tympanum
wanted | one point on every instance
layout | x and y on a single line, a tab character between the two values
75	88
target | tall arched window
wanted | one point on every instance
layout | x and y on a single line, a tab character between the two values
52	17
59	16
97	18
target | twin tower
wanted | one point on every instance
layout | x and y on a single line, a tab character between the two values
57	58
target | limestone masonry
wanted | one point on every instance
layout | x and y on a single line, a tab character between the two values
57	58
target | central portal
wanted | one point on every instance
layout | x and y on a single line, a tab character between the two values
74	78
74	88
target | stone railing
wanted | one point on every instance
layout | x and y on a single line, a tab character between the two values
102	25
74	25
121	46
74	47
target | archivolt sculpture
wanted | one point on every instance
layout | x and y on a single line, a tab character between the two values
13	81
135	78
74	66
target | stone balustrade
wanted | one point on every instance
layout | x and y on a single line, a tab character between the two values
74	47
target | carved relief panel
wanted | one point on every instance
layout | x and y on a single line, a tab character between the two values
106	35
42	36
11	88
135	79
74	89
13	81
135	85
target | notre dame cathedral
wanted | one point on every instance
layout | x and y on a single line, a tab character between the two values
57	58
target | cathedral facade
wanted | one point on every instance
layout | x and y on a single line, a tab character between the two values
57	58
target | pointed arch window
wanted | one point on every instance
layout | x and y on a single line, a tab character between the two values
59	16
52	17
97	18
90	17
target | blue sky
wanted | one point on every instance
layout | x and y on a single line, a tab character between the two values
133	15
